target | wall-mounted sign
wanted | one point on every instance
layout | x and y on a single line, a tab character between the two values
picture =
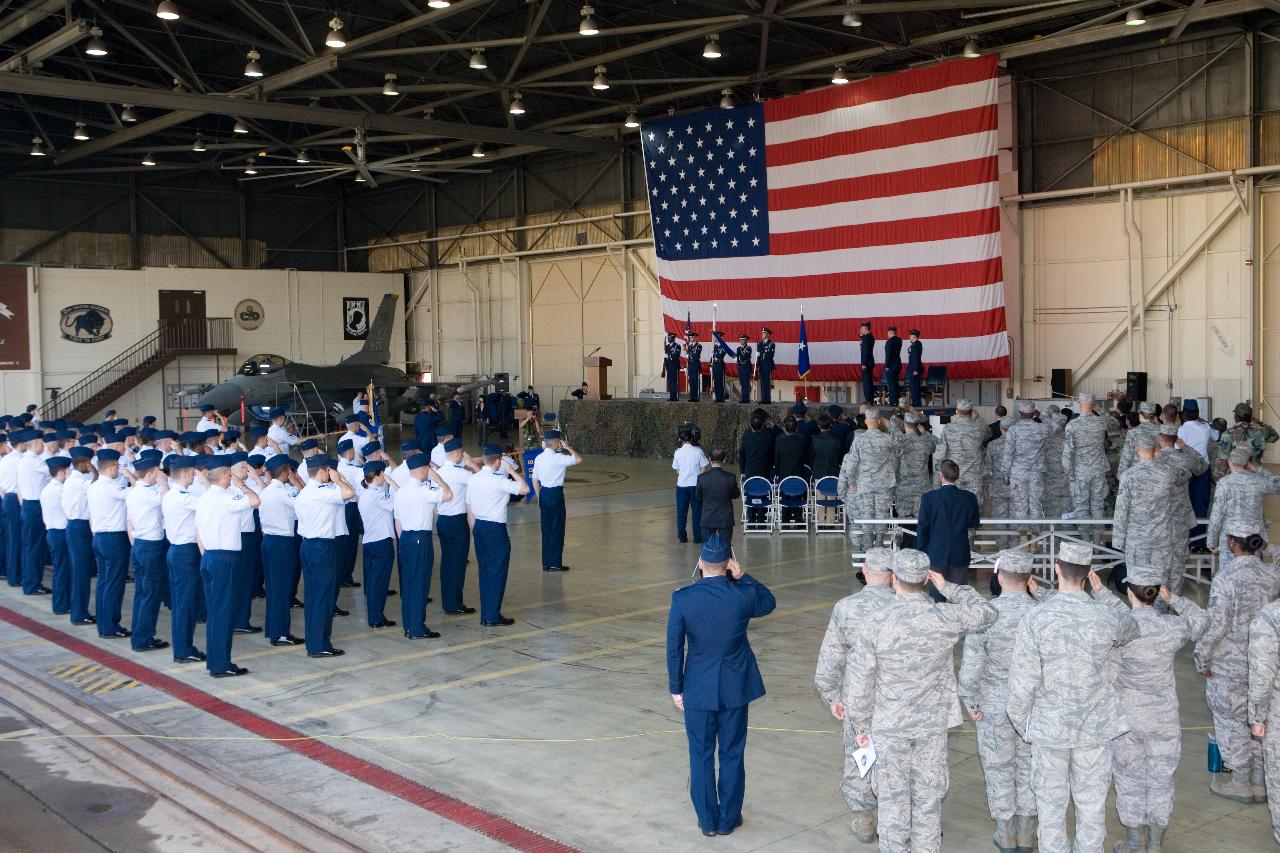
249	314
85	324
15	336
355	318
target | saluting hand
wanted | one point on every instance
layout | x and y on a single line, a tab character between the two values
735	568
678	698
1094	581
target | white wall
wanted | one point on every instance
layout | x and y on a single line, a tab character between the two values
302	322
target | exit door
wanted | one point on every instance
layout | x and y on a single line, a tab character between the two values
182	319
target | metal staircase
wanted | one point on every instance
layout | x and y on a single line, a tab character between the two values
171	340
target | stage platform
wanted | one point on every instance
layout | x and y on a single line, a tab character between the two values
647	429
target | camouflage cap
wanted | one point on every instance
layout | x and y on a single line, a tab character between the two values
1169	430
964	405
1007	422
1147	442
1147	408
879	560
1113	425
911	418
1076	553
1142	575
1243	410
1242	529
1014	562
1086	398
1053	408
1026	407
1241	455
911	565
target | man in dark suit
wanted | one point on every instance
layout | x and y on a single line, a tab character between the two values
755	455
716	490
993	429
893	365
713	682
947	514
915	368
868	344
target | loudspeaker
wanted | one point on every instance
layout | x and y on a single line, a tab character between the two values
502	383
1135	386
1060	382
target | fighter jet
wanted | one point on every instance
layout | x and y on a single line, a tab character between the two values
266	380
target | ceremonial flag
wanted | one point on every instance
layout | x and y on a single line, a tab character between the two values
802	358
720	344
875	201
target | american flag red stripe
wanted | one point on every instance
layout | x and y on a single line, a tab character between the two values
883	205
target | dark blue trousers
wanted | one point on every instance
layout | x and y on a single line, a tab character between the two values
891	375
379	558
455	548
280	568
766	377
717	381
11	509
34	552
744	382
717	804
218	571
320	575
355	529
673	382
148	589
694	374
493	557
185	585
1198	489
56	541
80	557
112	552
686	502
416	559
551	513
258	588
246	570
914	378
868	382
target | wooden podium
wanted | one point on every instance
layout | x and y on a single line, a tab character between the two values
597	377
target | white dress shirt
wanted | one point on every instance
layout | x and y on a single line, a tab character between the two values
145	513
246	520
179	509
1195	434
51	506
207	422
302	472
457	476
9	472
33	473
277	513
218	515
106	497
358	441
489	492
416	503
320	511
377	511
353	474
438	457
550	467
689	462
282	437
75	497
400	474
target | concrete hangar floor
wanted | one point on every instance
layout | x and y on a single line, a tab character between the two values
556	734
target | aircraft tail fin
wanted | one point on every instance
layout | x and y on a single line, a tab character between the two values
377	347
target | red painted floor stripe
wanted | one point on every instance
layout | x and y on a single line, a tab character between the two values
464	814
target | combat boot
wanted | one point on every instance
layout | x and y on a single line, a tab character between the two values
864	827
1226	785
1004	839
1156	842
1258	781
1024	832
1135	840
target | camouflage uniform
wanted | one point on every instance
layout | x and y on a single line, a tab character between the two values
868	475
914	451
1185	463
1145	429
1264	698
1023	465
997	491
1084	456
903	694
1057	497
961	441
984	686
1252	434
1144	515
847	618
1146	756
1115	446
1238	498
1239	590
1062	701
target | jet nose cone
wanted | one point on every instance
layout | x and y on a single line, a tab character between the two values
221	397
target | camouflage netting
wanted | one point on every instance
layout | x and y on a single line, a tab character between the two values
647	428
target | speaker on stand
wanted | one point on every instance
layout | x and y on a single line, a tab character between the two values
1135	386
1060	383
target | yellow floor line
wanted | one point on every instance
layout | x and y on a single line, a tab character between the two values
17	643
124	679
107	685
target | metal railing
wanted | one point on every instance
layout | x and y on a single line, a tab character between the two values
1040	537
171	338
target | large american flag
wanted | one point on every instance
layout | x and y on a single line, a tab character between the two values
873	201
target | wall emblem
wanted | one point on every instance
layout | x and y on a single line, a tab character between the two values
85	324
250	314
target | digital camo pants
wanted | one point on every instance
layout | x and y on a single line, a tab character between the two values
1271	750
910	779
1026	496
1081	775
856	789
1006	765
867	505
1227	695
1144	763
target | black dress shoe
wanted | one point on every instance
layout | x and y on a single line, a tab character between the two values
116	635
327	653
710	833
61	612
198	657
385	623
250	629
501	622
698	542
152	646
430	599
41	590
429	635
88	620
391	592
295	604
555	568
285	641
259	595
231	673
732	828
338	611
462	611
349	585
686	542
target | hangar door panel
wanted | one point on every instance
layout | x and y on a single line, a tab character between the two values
576	305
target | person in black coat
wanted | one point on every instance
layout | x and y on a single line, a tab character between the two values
993	430
755	455
717	490
893	365
947	514
789	451
915	368
825	451
868	345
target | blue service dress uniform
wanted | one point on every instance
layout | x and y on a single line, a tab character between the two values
349	540
55	534
549	468
75	506
489	493
279	552
868	357
146	519
671	368
743	357
377	517
915	371
414	505
455	538
320	522
710	664
765	351
218	521
11	516
183	563
107	519
893	367
717	373
32	476
694	367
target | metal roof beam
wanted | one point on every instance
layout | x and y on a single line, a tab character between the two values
32	56
27	17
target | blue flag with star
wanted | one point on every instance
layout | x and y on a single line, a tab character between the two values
802	362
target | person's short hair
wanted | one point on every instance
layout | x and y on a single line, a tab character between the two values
824	421
907	586
758	417
789	423
1074	572
949	470
1170	414
1124	405
717	454
1145	593
1001	411
490	458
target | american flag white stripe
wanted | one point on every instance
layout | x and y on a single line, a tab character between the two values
883	160
960	300
888	209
